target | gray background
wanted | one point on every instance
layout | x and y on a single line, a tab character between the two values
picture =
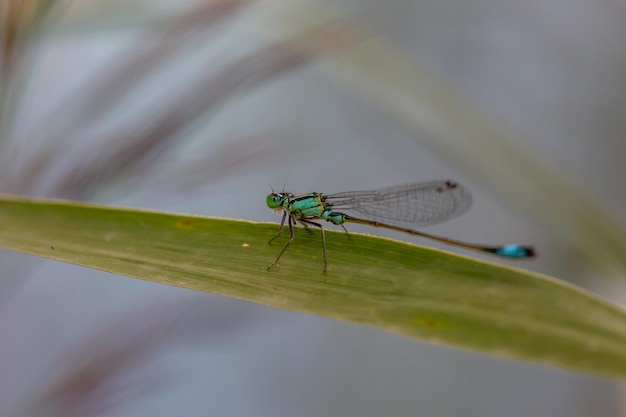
552	72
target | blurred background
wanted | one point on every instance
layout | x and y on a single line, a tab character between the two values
196	106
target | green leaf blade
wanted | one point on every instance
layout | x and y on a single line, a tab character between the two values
398	287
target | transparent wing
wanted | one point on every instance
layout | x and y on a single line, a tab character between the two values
409	205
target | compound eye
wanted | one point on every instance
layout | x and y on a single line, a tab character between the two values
274	200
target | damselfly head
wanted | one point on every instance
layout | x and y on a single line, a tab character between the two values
275	200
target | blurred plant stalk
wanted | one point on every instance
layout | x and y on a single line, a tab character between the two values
20	23
61	156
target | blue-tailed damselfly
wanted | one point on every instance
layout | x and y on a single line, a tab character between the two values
398	208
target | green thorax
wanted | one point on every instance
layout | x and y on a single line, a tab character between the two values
312	205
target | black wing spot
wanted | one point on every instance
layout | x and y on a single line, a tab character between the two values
448	185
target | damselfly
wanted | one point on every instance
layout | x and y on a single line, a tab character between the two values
398	208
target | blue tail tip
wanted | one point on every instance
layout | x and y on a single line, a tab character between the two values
515	251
